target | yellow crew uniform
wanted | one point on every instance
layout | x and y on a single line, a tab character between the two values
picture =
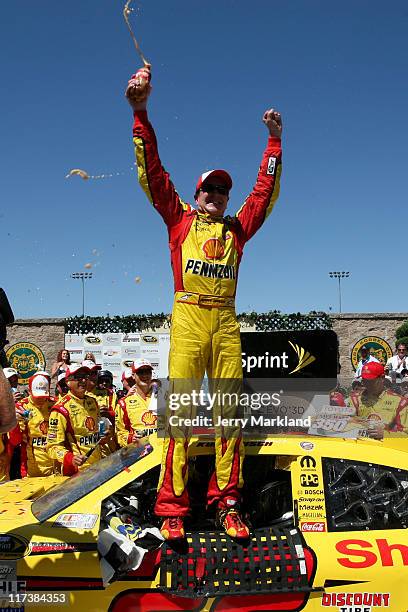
73	429
134	413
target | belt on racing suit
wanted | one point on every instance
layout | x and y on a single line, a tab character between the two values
200	299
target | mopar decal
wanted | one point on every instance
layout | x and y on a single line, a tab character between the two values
13	547
308	462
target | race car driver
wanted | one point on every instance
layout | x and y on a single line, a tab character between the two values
136	414
206	249
382	408
33	414
73	436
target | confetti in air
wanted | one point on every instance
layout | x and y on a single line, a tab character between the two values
78	172
126	14
86	176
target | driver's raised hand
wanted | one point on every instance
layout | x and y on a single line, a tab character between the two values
273	121
138	88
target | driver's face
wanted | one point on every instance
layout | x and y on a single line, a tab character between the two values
210	201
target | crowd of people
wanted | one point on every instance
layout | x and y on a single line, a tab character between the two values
85	420
379	393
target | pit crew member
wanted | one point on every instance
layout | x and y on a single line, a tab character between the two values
100	387
206	249
382	407
73	427
33	413
136	414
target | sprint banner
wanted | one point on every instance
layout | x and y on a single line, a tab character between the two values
304	359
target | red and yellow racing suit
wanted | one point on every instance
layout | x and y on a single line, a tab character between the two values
106	400
205	257
133	414
389	408
31	434
73	429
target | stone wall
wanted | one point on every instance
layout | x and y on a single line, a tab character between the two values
351	327
48	334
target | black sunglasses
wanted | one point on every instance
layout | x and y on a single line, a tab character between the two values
210	188
144	371
80	376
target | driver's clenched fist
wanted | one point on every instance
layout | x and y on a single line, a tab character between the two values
273	121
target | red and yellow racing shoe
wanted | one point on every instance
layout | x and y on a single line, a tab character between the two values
233	524
173	528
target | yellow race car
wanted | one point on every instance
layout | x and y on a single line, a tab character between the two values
329	532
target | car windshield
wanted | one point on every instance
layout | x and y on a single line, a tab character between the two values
78	486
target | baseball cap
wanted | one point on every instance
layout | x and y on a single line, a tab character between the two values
39	384
91	365
9	372
141	363
364	348
73	368
212	174
372	370
127	373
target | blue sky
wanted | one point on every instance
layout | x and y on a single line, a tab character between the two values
337	71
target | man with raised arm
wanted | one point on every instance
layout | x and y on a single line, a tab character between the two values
206	249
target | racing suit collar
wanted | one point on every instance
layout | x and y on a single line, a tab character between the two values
208	218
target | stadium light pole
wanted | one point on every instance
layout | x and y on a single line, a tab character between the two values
83	276
339	275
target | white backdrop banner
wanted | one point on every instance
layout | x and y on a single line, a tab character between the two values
115	352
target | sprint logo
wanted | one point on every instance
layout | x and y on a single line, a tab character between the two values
277	362
304	357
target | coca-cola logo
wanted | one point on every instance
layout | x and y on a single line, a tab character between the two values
313	526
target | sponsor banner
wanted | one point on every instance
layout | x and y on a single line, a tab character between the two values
130	352
73	340
118	351
76	521
305	360
295	356
111	339
110	352
149	338
152	351
109	363
92	340
130	339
